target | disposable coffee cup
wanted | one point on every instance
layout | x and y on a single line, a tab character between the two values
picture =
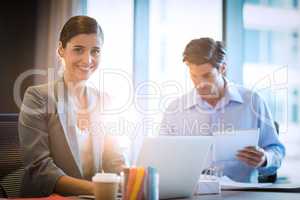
106	186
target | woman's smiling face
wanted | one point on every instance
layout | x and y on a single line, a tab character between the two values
81	56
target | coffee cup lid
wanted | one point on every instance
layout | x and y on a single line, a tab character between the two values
106	177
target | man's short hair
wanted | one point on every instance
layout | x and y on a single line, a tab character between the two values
205	50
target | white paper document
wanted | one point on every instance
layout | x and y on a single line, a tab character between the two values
227	183
227	143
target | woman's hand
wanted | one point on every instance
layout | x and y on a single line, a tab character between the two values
69	186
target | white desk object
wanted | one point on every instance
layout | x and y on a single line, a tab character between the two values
208	185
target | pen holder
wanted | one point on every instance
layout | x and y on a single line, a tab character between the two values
208	186
209	180
139	183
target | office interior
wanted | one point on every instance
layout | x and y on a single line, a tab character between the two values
142	55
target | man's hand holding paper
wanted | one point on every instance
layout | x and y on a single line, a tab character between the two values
253	156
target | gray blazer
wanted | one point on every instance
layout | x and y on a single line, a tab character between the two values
49	141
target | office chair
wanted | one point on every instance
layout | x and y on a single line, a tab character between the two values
11	166
3	192
270	178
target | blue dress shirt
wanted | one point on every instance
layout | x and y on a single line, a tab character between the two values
239	109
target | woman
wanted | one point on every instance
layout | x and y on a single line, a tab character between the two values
60	122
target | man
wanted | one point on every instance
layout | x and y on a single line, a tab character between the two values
215	104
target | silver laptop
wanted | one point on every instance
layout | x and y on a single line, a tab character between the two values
179	161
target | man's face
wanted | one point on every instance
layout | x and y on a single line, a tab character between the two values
207	79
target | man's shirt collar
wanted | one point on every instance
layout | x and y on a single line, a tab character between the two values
232	94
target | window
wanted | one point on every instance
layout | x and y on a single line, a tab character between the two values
114	75
271	65
170	29
172	25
